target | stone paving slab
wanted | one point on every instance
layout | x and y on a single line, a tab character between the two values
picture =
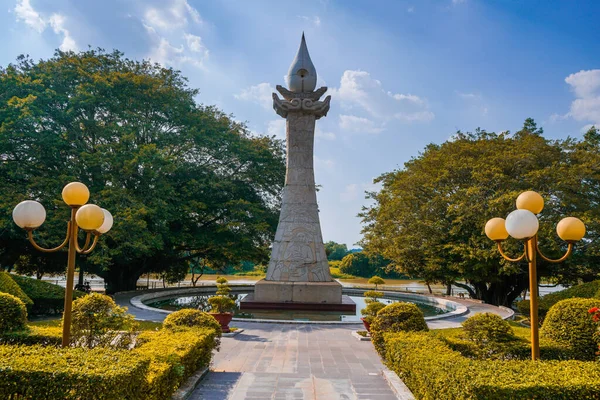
308	362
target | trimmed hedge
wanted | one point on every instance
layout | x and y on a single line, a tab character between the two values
13	314
569	323
153	370
518	349
175	355
38	372
585	290
47	297
8	285
433	371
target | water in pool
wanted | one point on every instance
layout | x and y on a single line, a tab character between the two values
201	302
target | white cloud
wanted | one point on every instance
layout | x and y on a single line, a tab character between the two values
351	192
194	43
319	134
276	128
169	55
261	94
358	91
468	96
26	13
475	101
586	106
410	9
316	21
57	22
326	165
174	14
352	123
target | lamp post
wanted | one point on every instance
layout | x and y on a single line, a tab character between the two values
30	215
522	224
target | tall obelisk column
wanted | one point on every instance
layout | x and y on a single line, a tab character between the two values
298	271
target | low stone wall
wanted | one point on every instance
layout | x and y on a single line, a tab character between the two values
454	309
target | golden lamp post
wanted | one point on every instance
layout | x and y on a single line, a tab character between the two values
30	215
522	224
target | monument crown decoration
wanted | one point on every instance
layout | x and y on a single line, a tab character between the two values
298	270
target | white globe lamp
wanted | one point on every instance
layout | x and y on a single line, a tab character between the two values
29	214
522	224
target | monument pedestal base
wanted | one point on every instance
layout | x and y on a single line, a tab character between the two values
325	296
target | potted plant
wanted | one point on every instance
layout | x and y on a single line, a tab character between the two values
222	304
373	304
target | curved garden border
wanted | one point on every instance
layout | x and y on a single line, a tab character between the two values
454	309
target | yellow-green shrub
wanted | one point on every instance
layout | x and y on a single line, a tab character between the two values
37	372
487	327
13	314
568	322
97	320
175	355
8	285
191	318
432	371
396	317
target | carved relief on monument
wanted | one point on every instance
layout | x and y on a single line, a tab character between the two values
300	213
299	259
285	231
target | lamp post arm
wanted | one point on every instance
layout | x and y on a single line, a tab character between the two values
563	258
507	257
38	247
94	243
86	244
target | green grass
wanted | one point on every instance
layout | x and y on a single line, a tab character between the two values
336	274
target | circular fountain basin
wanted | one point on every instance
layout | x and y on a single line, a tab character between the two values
169	300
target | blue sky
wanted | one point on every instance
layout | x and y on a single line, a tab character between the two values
401	74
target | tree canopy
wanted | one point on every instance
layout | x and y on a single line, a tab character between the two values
183	180
335	251
429	217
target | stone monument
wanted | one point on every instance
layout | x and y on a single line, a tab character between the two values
298	274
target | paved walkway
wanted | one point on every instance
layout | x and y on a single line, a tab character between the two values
289	361
298	361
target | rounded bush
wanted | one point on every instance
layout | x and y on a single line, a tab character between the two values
8	285
488	327
191	318
568	322
13	313
396	317
97	320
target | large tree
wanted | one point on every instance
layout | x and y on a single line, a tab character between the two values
335	251
429	216
183	180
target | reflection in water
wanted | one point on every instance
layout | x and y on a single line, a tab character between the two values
200	302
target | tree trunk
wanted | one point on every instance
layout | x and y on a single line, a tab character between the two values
501	293
449	289
429	287
119	279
